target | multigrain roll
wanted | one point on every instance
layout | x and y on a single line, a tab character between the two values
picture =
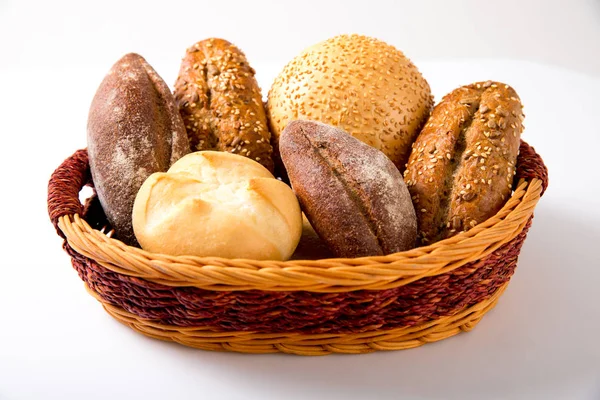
134	129
212	203
461	169
220	102
352	194
359	84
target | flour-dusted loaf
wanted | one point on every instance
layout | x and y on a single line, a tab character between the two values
220	102
359	84
351	193
212	203
134	129
462	165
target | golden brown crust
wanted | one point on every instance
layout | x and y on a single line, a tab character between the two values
461	168
220	102
359	84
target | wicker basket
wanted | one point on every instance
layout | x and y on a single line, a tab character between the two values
391	302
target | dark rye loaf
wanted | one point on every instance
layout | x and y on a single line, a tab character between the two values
134	129
460	171
352	194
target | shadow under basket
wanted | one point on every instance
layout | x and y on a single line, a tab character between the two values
307	307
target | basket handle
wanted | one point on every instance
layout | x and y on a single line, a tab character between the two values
530	165
64	186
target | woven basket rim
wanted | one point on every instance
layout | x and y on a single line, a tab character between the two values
513	204
326	275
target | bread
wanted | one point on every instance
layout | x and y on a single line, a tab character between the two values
461	168
359	84
351	193
134	130
220	102
218	204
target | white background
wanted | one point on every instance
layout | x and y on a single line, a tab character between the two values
541	341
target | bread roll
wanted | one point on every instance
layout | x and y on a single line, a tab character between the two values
220	102
461	169
217	204
352	194
134	129
359	84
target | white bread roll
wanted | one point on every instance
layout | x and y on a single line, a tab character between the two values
362	85
217	204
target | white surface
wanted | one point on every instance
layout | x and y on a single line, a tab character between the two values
540	342
559	32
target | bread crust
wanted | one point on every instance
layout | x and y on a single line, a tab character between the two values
351	193
134	129
217	204
461	167
359	84
221	103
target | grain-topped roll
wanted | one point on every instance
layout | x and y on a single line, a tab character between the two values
359	84
134	129
461	169
220	102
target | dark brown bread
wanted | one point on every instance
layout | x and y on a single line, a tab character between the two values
351	193
220	102
461	168
134	130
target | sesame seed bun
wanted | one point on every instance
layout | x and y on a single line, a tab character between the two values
359	84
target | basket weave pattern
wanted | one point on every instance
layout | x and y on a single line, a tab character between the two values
265	306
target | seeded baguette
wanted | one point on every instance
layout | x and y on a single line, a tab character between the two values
461	167
352	194
220	102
